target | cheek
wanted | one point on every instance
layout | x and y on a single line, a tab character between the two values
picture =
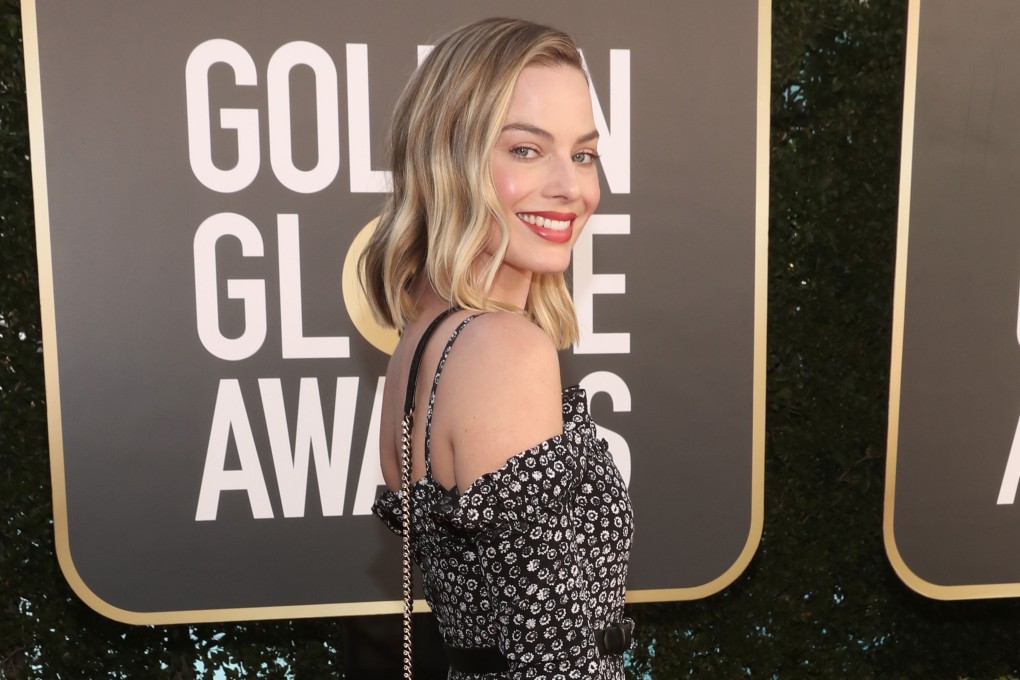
508	185
592	193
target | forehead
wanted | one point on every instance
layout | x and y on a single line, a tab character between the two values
556	95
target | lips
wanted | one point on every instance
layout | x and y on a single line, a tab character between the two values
550	225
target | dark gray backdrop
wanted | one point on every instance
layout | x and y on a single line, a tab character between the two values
137	388
959	402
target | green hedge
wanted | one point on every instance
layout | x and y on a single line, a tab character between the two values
818	601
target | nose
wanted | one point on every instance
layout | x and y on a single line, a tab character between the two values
562	181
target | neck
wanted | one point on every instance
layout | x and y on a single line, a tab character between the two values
429	303
511	286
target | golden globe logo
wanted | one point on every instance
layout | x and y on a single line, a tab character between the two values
310	444
382	338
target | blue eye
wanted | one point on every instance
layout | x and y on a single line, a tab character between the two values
585	157
523	151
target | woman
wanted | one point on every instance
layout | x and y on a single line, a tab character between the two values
516	514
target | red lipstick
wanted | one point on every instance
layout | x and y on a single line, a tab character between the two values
561	235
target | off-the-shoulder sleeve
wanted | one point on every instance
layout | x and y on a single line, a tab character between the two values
529	485
527	546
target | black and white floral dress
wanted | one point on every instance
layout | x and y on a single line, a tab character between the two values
531	558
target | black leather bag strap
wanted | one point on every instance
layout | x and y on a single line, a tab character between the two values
412	377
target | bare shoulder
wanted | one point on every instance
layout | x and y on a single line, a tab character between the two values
505	335
501	393
505	358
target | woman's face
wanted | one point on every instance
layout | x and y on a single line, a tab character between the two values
544	167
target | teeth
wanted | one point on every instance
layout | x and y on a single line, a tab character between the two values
544	222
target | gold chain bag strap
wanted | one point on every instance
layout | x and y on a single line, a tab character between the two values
406	428
405	518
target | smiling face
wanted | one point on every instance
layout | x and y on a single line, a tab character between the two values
544	172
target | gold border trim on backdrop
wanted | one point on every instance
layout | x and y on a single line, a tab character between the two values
46	292
906	574
761	261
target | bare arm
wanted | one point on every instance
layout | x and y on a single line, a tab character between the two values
502	394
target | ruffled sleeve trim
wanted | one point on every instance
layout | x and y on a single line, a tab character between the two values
535	481
530	483
387	508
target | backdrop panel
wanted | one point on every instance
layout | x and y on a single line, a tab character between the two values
204	176
951	516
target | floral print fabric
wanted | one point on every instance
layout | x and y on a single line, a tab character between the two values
531	558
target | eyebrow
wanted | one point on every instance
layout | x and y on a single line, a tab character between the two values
525	127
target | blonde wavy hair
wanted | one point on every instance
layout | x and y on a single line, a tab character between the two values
436	222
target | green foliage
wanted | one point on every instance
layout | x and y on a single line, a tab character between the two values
818	601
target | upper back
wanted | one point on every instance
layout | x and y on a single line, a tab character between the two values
498	394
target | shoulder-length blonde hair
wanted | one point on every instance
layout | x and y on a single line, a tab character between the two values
436	222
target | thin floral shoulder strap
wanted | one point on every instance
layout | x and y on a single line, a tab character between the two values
432	392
